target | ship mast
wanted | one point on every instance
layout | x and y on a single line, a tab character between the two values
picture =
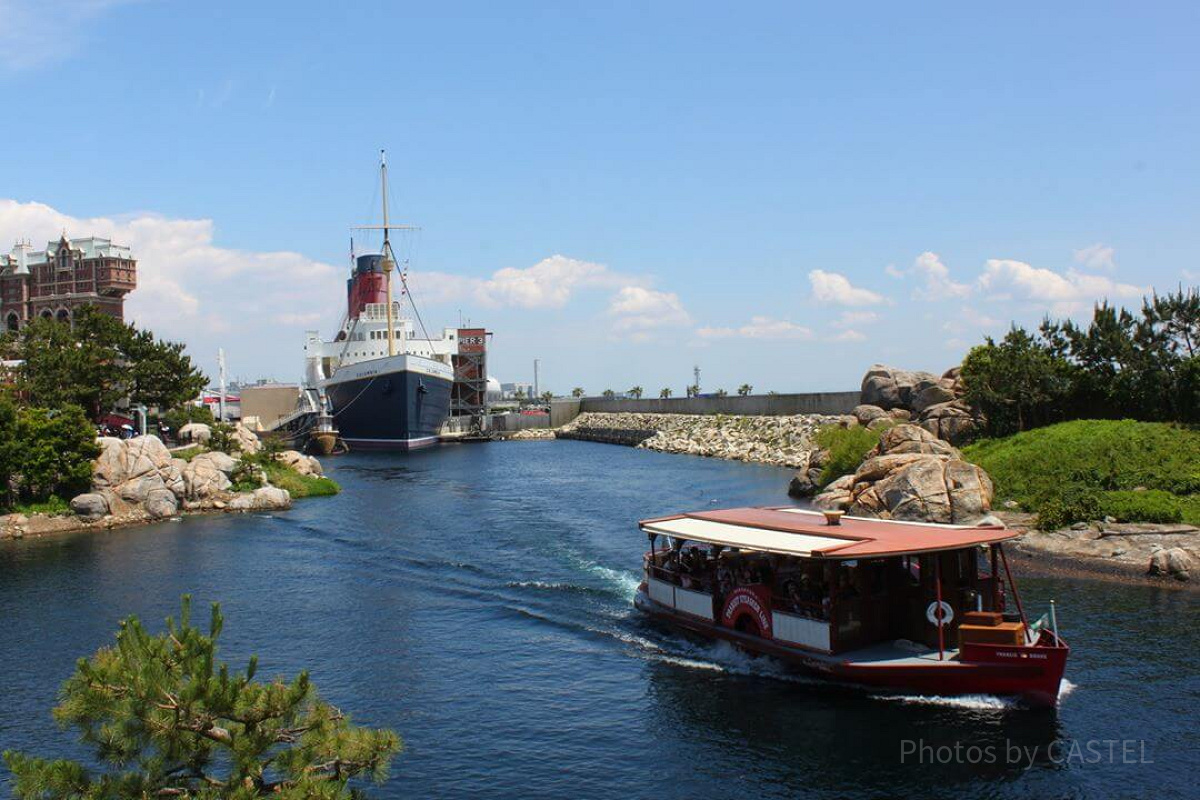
388	263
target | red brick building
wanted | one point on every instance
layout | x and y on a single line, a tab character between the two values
68	274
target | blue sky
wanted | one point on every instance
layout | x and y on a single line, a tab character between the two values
781	194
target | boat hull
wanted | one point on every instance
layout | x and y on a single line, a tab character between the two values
1033	673
397	403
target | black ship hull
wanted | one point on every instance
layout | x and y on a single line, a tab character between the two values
391	404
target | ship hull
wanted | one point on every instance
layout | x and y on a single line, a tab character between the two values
396	403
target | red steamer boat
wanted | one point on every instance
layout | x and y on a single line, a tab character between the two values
902	606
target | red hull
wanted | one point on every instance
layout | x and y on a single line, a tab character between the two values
1032	673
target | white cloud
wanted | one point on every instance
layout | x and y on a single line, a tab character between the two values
758	328
255	304
1096	256
37	32
550	283
849	319
636	310
893	271
936	279
1005	279
831	287
848	335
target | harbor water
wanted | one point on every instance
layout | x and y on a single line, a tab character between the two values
477	598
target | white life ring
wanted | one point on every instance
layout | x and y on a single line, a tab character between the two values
931	613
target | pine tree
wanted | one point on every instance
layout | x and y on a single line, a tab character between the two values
171	721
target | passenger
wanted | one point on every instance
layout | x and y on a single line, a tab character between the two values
724	578
795	599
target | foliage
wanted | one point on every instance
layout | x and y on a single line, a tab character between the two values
51	506
45	452
636	392
299	486
96	361
1085	469
167	719
246	476
693	391
222	439
547	397
577	392
847	447
188	453
745	389
665	392
1123	364
721	393
609	394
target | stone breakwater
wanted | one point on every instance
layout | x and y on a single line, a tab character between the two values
777	440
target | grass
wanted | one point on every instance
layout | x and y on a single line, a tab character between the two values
298	485
847	447
53	505
1086	469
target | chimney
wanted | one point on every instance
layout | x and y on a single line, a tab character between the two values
833	517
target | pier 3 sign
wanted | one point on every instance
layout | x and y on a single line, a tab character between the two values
748	604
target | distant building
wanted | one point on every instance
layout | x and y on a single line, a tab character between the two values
69	273
510	390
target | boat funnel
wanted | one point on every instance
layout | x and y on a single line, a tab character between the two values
833	517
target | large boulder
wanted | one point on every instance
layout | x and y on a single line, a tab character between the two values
161	503
305	465
133	468
266	498
913	476
953	421
911	439
931	392
246	440
90	506
196	432
888	387
865	414
207	475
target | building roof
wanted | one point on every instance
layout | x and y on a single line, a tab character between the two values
806	534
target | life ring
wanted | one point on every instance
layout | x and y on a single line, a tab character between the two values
947	614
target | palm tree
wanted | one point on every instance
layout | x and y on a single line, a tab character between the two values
519	395
636	393
721	393
577	392
665	393
745	389
693	391
547	397
609	394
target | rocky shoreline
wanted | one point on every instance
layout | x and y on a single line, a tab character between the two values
139	481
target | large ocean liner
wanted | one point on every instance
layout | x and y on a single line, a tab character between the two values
385	387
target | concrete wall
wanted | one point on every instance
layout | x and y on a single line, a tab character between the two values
755	405
562	412
268	403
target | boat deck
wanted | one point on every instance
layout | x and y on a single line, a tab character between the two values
897	653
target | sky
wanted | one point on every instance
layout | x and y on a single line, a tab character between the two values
780	194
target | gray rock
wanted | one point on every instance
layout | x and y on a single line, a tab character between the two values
196	432
1158	562
266	498
90	506
865	414
930	393
881	424
888	387
1179	563
161	503
1080	526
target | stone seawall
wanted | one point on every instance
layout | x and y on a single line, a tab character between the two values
784	441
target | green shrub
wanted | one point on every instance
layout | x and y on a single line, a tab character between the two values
1086	469
1148	506
299	485
246	476
847	447
53	454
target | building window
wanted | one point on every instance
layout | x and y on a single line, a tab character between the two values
13	321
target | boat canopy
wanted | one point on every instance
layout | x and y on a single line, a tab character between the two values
809	534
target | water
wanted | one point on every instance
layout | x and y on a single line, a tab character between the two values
477	599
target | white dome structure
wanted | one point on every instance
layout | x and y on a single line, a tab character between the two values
494	393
